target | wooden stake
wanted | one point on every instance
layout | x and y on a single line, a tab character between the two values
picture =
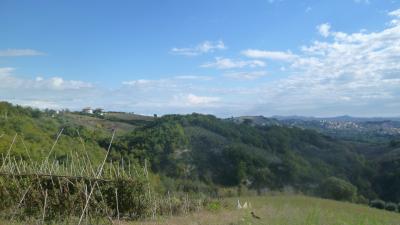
44	207
98	175
116	199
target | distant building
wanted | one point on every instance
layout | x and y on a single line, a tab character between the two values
54	113
99	111
87	110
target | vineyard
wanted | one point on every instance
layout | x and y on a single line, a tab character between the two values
78	191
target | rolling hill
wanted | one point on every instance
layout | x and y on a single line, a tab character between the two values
201	153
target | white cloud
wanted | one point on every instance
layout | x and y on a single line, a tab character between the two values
324	29
396	17
274	1
177	94
362	1
204	47
6	71
274	55
193	77
249	75
171	82
355	73
138	82
37	103
53	91
19	52
192	99
227	63
8	81
395	13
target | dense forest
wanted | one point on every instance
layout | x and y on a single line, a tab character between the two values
203	153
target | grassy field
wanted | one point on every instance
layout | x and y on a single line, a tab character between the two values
285	210
97	123
128	116
274	210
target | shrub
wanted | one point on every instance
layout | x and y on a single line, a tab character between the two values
214	206
362	200
390	206
379	204
338	189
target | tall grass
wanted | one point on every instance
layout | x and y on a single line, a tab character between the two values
284	209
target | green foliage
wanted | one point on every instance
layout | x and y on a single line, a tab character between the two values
394	143
362	200
377	203
387	180
36	131
214	206
162	144
390	206
24	195
338	189
197	153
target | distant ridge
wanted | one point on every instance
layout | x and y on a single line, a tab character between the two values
336	118
347	127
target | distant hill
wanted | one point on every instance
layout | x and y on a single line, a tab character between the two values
255	120
338	118
345	127
231	153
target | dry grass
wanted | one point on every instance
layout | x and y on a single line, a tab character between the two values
97	123
200	218
277	210
128	116
286	210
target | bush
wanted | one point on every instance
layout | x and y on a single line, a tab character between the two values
362	200
338	189
379	204
390	206
214	206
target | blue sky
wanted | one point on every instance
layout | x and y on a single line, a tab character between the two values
237	57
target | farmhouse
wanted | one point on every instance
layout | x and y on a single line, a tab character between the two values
99	111
87	110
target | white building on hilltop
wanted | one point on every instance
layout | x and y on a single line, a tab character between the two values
87	110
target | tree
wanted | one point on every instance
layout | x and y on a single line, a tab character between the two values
377	203
338	189
261	179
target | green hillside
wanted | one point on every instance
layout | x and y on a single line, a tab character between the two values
35	133
201	153
218	152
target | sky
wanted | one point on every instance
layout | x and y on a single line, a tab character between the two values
222	57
